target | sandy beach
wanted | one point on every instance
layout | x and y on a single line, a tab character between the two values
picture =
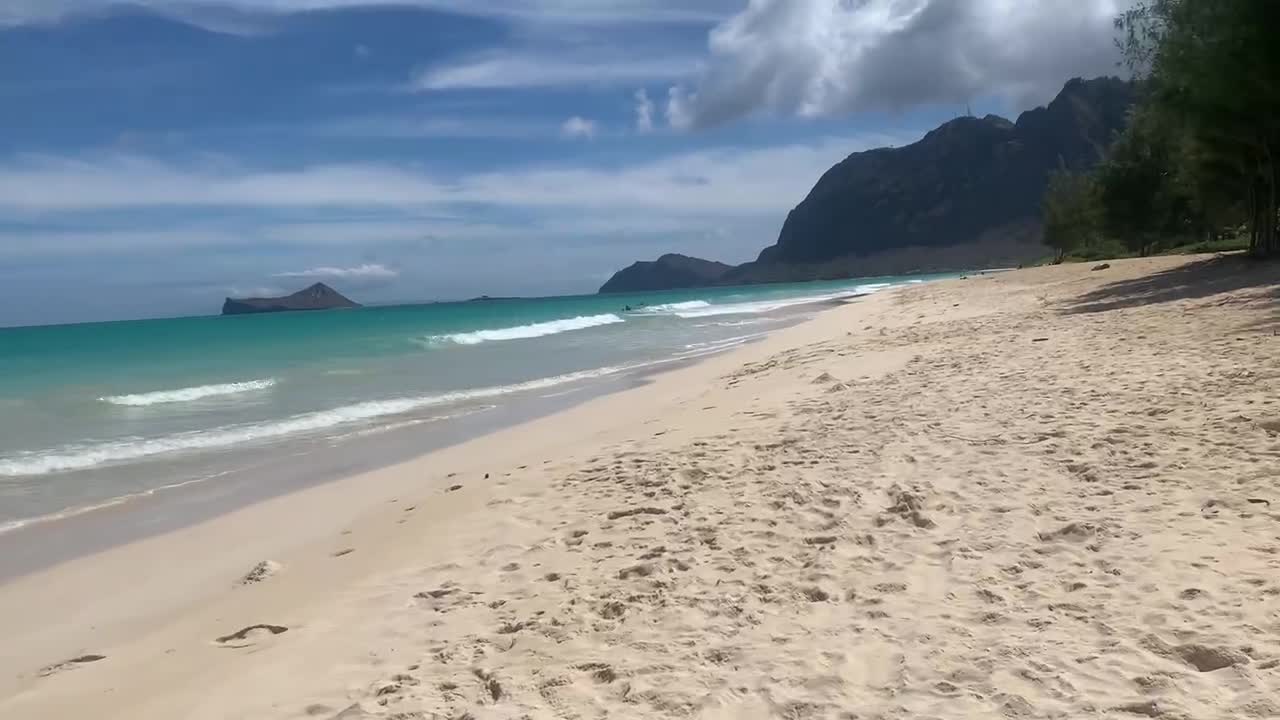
1048	493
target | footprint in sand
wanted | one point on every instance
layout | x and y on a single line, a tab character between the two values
250	636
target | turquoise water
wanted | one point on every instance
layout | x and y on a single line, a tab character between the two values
90	413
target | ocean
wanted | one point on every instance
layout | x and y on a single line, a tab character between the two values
93	415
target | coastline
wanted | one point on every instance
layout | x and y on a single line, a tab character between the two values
37	543
864	476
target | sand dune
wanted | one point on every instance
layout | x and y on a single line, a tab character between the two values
1049	493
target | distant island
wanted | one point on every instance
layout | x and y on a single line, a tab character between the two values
966	195
669	272
316	297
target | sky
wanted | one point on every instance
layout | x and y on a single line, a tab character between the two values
159	155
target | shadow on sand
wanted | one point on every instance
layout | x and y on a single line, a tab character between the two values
1202	279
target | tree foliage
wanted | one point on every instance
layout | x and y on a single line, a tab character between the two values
1213	73
1199	156
1143	188
1070	213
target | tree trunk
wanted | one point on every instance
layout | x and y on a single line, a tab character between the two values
1271	249
1253	218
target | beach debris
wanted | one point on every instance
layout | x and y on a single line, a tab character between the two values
618	514
344	551
1103	266
69	664
1040	339
260	572
455	488
244	637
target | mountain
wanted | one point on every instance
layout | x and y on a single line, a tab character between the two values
316	297
669	272
966	195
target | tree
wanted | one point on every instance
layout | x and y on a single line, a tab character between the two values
1143	189
1070	212
1214	71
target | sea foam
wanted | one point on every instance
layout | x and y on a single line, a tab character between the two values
533	330
83	456
188	394
672	307
767	306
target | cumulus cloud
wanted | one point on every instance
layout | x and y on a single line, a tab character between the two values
644	112
826	57
368	271
578	128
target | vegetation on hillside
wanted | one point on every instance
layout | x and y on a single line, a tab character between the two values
1197	163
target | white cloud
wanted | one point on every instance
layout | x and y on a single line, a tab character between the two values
498	71
403	127
644	112
368	271
825	57
16	12
578	128
738	181
256	291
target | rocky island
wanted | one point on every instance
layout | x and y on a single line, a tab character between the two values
316	297
669	272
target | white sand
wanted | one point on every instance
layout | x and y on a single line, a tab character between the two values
960	520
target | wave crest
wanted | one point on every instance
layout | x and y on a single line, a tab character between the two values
187	394
672	307
533	330
83	456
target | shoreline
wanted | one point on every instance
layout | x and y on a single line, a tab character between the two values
30	545
919	480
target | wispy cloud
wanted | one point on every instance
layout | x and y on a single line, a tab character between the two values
494	71
730	180
644	111
16	12
368	271
578	127
405	127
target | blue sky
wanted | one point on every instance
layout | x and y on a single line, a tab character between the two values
159	155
